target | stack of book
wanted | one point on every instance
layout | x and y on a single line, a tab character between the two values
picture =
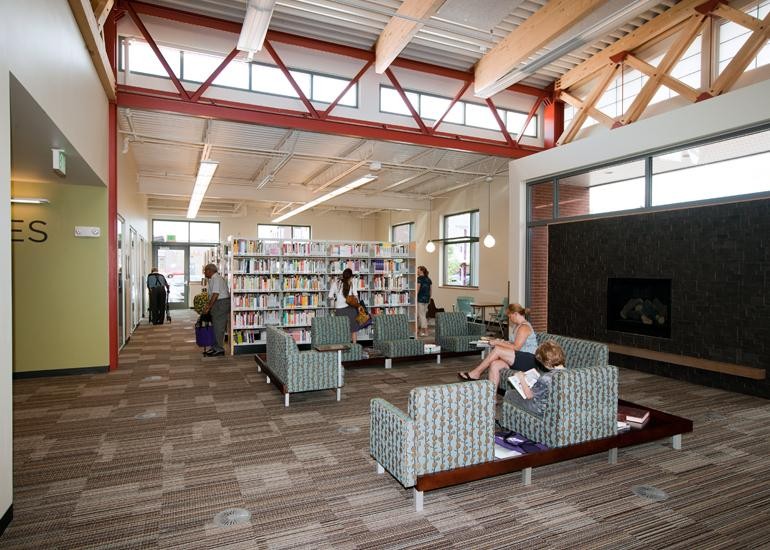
633	417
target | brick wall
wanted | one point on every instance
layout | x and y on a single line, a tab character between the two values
573	201
718	260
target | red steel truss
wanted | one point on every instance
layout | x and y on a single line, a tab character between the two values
193	103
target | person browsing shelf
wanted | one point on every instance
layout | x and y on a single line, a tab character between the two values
343	291
219	308
549	357
424	292
515	353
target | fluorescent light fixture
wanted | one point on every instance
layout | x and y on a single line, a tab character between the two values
315	202
28	200
205	173
610	16
255	23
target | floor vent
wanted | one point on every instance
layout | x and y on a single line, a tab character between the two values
348	429
232	516
649	492
714	416
147	415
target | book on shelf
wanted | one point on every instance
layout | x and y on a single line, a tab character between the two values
531	376
634	416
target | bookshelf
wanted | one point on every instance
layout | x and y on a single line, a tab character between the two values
286	284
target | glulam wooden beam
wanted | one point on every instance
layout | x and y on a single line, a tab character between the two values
89	30
546	24
409	18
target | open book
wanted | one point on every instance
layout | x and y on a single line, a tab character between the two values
530	376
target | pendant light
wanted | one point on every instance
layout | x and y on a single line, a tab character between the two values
430	246
489	240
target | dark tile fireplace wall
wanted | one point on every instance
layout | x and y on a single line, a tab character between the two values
718	260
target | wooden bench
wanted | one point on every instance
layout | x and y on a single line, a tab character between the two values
661	425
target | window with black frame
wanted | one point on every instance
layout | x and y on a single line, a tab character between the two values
461	249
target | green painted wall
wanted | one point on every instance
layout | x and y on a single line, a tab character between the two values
60	284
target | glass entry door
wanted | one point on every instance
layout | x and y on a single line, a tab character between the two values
172	263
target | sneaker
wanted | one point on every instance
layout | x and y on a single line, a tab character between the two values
212	353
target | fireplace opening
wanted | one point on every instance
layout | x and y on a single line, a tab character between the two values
639	306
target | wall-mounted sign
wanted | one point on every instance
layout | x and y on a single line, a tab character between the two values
86	231
59	162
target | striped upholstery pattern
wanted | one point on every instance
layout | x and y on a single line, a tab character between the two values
583	401
300	370
391	337
454	332
447	426
334	330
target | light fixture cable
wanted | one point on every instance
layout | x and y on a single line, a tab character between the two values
489	240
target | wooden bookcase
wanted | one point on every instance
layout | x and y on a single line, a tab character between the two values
286	284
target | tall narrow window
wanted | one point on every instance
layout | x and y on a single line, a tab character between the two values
461	249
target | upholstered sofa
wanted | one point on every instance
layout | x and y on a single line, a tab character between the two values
445	427
454	332
582	403
334	330
301	371
392	338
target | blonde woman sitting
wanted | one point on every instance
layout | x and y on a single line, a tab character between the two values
515	353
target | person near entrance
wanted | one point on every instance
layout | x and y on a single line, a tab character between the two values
158	289
219	308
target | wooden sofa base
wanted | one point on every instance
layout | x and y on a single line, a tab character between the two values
660	425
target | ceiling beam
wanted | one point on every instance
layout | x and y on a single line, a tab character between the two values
629	43
140	98
409	18
182	187
315	44
89	30
542	27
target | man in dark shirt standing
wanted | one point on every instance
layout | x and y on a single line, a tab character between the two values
158	287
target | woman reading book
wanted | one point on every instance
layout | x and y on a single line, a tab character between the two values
548	357
515	353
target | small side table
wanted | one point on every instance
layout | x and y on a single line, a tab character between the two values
339	348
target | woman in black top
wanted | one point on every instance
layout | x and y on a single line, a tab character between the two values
424	293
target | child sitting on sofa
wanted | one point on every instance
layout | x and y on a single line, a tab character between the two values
548	357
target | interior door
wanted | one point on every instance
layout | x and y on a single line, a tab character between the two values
172	262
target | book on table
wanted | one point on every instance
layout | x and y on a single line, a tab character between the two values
634	416
530	377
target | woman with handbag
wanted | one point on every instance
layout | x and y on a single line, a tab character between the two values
343	291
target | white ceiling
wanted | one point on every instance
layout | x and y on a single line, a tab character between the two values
270	165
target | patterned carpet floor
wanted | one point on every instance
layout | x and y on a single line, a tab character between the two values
148	455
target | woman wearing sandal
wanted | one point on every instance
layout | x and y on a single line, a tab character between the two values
515	353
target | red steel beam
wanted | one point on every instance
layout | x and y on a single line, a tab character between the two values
503	129
154	46
203	87
531	114
239	112
352	82
415	115
281	65
110	35
314	44
455	99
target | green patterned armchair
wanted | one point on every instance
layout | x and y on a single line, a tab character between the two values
300	371
391	337
334	330
446	427
582	402
455	333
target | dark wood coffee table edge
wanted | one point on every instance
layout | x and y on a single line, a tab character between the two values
660	426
